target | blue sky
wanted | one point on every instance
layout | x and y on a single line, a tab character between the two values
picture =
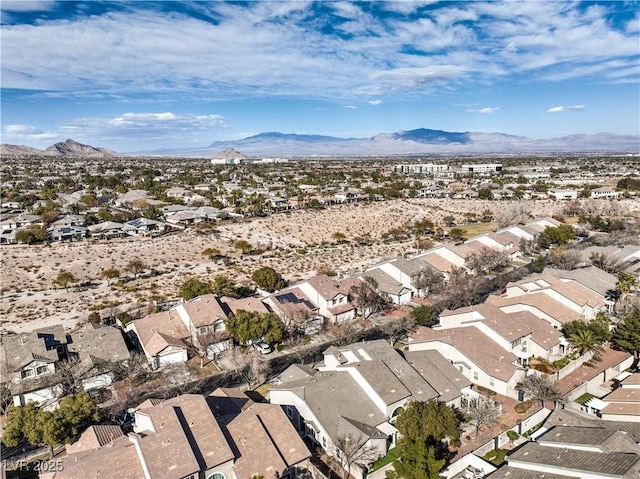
143	74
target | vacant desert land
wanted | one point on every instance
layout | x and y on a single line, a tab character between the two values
296	244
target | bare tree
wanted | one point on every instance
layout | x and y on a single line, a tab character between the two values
177	378
483	411
489	259
71	373
429	280
541	387
604	261
565	258
346	332
250	368
296	320
516	213
396	328
365	297
353	450
136	266
203	342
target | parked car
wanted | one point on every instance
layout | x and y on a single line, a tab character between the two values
263	347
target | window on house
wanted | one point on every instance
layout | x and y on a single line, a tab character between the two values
41	370
216	475
324	441
461	368
492	382
289	411
475	375
203	329
26	373
219	326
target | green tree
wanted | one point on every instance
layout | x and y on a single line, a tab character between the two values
485	194
223	286
556	235
110	274
625	283
64	279
626	335
268	279
423	428
457	234
424	315
194	287
585	341
33	234
210	253
247	326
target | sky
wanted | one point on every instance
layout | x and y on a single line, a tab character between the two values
144	75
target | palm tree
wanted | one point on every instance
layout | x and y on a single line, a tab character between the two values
585	341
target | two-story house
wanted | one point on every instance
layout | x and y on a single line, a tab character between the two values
330	296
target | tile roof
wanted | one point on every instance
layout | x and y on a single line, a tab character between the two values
569	417
325	286
569	460
541	304
331	394
204	310
491	358
167	324
292	301
591	277
438	262
266	441
119	459
103	342
94	437
233	305
21	349
439	373
386	284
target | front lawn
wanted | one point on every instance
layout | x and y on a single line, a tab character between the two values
496	457
391	456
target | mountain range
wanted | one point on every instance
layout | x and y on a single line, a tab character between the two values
419	141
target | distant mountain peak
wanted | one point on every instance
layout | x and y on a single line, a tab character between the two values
73	148
229	153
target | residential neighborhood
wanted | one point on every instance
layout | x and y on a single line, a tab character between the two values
496	337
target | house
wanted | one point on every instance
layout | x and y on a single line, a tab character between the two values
521	333
200	324
293	307
163	337
145	226
20	221
574	452
408	272
359	390
605	193
623	403
569	293
330	296
560	194
97	347
110	230
29	364
489	366
67	233
223	435
387	287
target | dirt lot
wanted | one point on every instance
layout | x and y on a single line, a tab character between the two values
295	244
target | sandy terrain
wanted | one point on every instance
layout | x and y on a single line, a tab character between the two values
296	244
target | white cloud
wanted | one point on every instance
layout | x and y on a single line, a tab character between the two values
165	126
350	107
26	5
375	102
484	111
25	133
558	109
